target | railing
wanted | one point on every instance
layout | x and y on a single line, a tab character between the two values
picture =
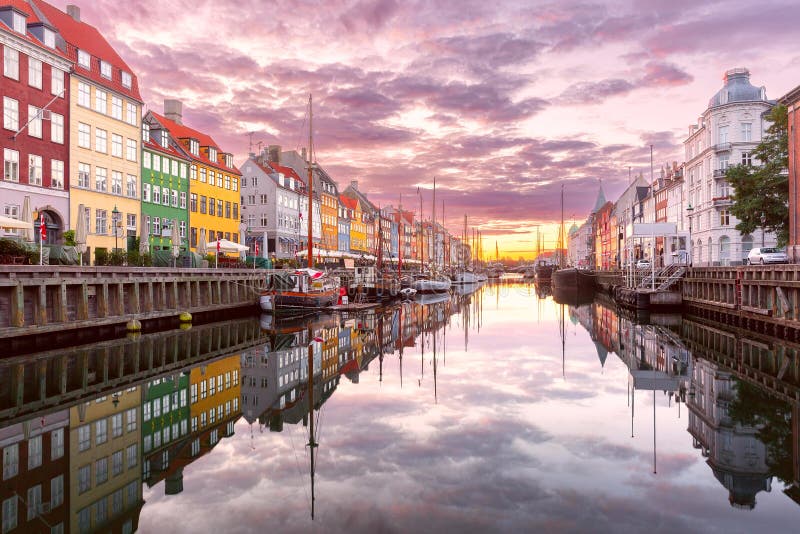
722	201
720	173
722	147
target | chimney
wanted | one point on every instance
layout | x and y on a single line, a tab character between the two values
354	184
274	154
304	154
173	110
74	12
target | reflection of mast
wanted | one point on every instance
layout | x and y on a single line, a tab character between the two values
312	444
402	342
562	333
435	397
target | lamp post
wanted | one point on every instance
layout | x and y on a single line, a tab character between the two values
114	215
763	222
690	210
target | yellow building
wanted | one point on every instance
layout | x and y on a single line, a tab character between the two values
104	133
214	392
213	180
105	484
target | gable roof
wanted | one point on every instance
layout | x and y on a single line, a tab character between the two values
32	18
180	131
349	203
79	35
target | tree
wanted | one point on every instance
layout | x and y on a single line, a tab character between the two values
764	189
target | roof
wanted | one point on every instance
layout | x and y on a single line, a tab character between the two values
737	88
32	18
350	203
80	35
286	171
180	131
601	199
152	145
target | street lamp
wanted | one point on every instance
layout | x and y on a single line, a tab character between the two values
763	222
114	215
690	210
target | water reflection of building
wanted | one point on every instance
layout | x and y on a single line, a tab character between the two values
35	474
735	454
105	488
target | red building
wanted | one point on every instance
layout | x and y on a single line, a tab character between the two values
605	232
792	102
35	136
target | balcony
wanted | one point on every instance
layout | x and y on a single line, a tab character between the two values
722	147
722	202
720	173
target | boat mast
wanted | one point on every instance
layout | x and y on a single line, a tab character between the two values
435	255
561	233
310	247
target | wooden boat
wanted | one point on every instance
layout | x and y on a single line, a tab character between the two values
543	271
431	284
299	289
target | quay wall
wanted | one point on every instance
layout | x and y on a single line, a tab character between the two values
47	299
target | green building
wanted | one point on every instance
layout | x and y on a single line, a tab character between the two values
165	421
165	188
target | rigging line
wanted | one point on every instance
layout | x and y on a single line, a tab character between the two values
300	475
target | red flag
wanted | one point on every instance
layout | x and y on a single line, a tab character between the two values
42	227
256	248
217	246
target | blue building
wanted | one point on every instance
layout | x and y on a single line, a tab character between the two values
344	227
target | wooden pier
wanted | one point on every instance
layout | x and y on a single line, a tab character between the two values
39	300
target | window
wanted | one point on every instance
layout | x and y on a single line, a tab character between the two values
83	59
192	201
747	158
116	107
212	205
57	444
34	169
193	392
34	122
263	219
724	162
203	390
212	386
126	79
203	173
57	128
156	439
165	166
116	502
145	132
10	63
100	430
157	403
100	228
84	478
105	69
131	186
747	131
156	224
84	95
130	113
56	491
116	182
84	135
227	182
146	229
156	194
219	208
18	23
100	182
132	454
101	101
165	141
116	145
202	204
10	165
131	221
10	461
724	218
131	152
212	154
34	501
10	113
56	82
194	147
175	199
100	511
84	437
35	452
228	210
194	424
116	463
101	140
116	425
183	170
193	236
193	172
174	168
146	160
10	514
34	73
146	192
165	196
156	163
83	175
101	471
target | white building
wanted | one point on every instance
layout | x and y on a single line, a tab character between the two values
725	134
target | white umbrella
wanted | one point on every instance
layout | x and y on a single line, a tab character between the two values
144	244
80	231
176	238
226	245
27	216
201	243
9	223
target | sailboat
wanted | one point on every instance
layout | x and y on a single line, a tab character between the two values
302	289
569	284
434	282
463	274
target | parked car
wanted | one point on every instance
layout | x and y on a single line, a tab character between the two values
764	255
643	264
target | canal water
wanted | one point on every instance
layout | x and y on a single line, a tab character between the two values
493	410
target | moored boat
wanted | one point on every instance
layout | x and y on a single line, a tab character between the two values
434	284
301	289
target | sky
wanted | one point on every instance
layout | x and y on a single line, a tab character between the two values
503	102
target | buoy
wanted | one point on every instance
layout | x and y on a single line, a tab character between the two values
185	326
185	317
133	335
133	326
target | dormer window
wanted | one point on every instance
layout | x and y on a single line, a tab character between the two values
212	154
164	139
18	22
194	147
105	69
145	132
84	59
49	38
126	79
228	160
